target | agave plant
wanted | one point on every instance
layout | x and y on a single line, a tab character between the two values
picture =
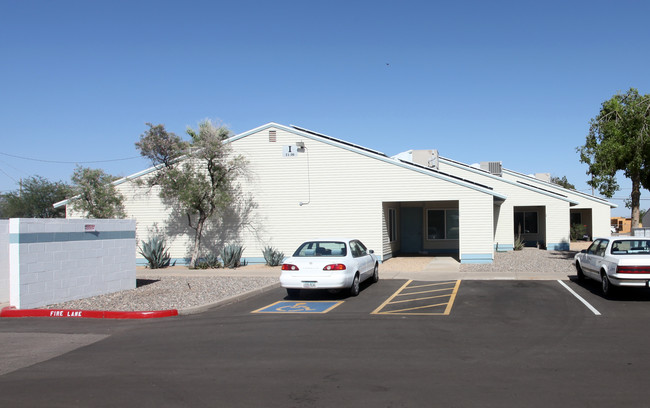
155	253
231	255
272	256
210	261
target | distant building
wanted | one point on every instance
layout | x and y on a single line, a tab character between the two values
624	225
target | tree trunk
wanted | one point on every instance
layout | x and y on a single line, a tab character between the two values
636	200
197	242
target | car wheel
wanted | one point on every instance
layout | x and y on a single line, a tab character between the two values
375	274
354	289
606	285
293	293
581	275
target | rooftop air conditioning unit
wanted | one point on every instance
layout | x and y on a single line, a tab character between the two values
493	167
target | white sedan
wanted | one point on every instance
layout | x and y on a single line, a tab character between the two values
616	261
329	264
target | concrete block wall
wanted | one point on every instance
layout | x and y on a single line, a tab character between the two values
4	261
56	260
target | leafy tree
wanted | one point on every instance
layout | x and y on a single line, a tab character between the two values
95	194
562	182
35	199
619	140
196	176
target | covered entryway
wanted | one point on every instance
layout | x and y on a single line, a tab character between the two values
423	228
581	223
530	225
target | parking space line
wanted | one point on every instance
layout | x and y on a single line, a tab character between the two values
399	298
452	298
580	298
391	297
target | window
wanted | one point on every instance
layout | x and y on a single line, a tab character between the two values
321	248
527	221
598	247
442	224
631	247
358	249
392	225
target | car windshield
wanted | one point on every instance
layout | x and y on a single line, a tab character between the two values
322	248
631	247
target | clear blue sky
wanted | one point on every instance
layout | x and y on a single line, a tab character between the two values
510	81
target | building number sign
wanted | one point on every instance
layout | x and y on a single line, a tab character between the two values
289	151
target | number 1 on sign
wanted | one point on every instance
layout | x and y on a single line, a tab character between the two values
289	151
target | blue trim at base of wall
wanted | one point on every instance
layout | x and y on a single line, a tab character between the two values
476	259
186	261
562	246
503	248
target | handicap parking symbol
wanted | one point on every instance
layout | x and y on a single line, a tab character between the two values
299	307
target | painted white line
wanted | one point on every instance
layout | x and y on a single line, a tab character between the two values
590	307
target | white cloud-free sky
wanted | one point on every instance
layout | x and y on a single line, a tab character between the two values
510	81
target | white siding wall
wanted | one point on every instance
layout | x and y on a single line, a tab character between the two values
601	218
601	211
557	230
345	192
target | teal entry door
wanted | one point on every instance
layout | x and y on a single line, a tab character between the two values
411	230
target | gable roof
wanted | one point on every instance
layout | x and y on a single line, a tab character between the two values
556	186
309	134
525	186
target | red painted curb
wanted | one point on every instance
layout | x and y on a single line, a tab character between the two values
88	314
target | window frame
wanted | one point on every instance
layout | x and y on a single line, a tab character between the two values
445	219
392	225
523	226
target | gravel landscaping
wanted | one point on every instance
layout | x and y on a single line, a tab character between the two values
170	292
162	290
528	259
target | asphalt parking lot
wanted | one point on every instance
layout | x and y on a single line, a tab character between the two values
400	343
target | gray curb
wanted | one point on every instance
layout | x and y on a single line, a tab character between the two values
227	301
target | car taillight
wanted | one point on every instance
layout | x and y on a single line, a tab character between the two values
334	267
289	267
633	269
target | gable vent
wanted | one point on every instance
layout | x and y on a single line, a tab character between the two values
272	136
492	167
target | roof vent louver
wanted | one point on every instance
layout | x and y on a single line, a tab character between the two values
493	168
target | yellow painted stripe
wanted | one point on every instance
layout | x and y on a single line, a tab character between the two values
415	308
376	311
414	300
453	298
433	284
426	291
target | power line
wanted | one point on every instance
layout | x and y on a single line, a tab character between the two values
68	162
7	174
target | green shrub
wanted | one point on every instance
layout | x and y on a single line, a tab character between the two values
155	253
578	231
272	256
210	261
231	256
519	243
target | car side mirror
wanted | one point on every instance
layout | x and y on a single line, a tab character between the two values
584	251
371	251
